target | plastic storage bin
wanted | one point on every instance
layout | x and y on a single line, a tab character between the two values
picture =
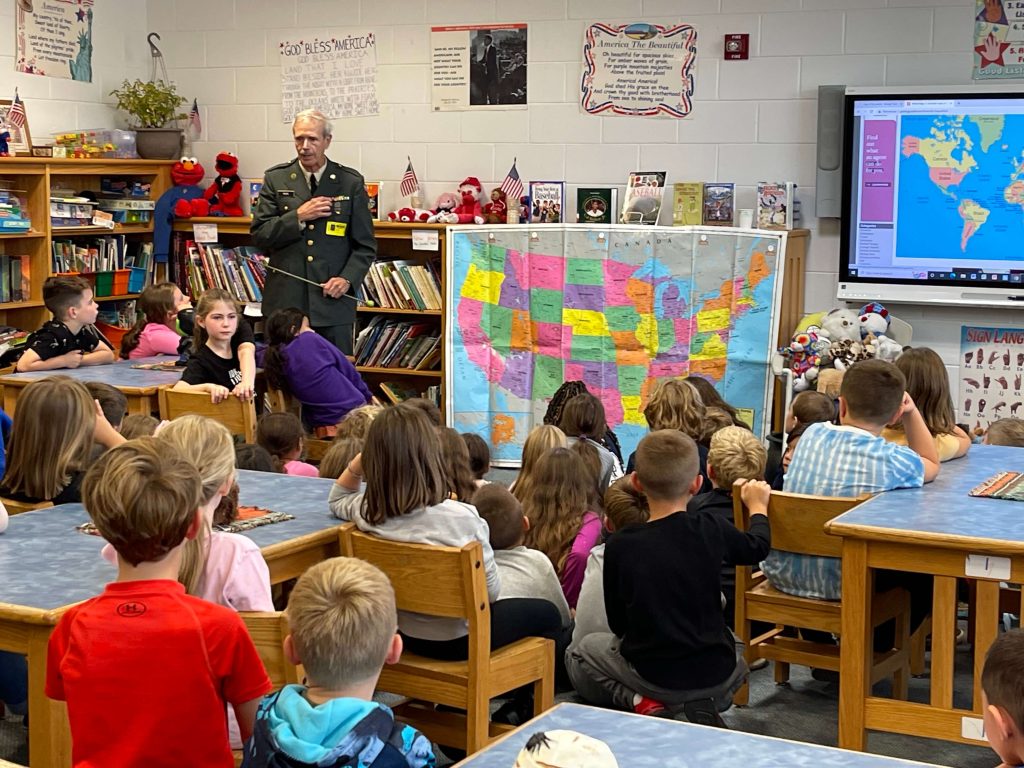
137	279
98	142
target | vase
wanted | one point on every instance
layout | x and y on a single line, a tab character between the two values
158	143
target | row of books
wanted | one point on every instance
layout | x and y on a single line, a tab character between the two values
400	391
101	254
13	212
401	284
15	278
386	343
239	271
707	203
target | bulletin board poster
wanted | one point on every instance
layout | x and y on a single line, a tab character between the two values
998	39
336	75
478	67
991	365
54	38
638	70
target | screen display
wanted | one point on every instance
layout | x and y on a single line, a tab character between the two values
934	190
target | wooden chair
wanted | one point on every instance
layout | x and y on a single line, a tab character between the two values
278	401
236	415
797	523
315	449
450	582
17	507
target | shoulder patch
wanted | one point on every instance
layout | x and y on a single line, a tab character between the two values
280	166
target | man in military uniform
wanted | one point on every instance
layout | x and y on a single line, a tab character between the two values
313	220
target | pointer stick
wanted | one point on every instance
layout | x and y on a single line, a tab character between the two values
267	265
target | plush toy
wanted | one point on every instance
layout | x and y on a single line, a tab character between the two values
409	214
841	324
496	211
830	381
444	209
189	199
882	347
874	319
845	352
468	210
803	361
225	192
524	209
5	145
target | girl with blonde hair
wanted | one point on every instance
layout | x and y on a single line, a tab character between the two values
540	440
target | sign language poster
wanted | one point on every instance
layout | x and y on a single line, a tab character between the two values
54	38
638	70
998	39
336	75
991	365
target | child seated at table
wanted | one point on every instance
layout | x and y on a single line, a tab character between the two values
662	592
300	362
70	339
56	424
928	387
282	436
735	454
809	407
223	360
342	619
144	633
1001	701
337	457
155	331
1005	432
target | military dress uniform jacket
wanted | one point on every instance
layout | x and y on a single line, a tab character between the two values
339	245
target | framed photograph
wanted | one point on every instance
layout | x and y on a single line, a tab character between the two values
20	141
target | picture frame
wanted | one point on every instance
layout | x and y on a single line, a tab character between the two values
21	140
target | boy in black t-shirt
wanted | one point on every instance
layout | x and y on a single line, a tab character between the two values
662	591
70	339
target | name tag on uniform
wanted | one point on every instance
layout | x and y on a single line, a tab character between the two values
336	228
286	192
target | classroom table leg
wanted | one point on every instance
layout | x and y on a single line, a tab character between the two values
10	398
943	641
986	627
856	644
49	737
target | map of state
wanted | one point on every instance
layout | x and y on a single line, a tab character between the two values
618	308
961	186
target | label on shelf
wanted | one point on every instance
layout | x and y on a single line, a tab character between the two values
425	240
204	233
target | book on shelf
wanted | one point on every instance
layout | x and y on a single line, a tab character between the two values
777	206
398	344
100	254
239	271
719	204
401	284
398	392
373	193
642	201
687	203
255	187
596	205
15	278
548	201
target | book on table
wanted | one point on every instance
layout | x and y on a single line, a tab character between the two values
1004	485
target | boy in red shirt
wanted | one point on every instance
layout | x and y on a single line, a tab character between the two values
147	670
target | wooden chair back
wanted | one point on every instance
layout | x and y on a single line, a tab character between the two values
14	507
279	401
238	416
268	629
798	521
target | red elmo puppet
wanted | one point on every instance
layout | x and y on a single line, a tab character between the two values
225	192
188	201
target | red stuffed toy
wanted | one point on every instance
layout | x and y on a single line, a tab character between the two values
469	211
225	192
409	214
496	211
188	199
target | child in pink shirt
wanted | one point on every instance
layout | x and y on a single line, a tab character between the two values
281	434
154	332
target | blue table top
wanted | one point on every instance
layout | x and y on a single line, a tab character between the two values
649	741
118	374
943	507
46	564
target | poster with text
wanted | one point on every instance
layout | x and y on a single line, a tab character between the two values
991	366
336	75
54	38
478	67
638	70
998	39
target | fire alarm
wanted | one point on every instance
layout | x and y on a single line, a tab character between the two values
737	47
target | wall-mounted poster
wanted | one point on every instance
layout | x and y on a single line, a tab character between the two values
54	38
991	365
478	67
336	75
638	70
998	40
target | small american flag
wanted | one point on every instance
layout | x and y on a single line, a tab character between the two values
512	186
193	118
410	183
16	114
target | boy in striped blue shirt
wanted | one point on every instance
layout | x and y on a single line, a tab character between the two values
852	459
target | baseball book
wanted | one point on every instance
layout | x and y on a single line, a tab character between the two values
776	205
644	193
548	201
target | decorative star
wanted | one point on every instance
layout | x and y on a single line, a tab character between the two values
80	14
991	51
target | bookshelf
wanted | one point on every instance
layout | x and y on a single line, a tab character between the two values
394	241
33	178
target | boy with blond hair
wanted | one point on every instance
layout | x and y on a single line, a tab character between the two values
662	586
735	454
144	636
344	629
70	339
1002	697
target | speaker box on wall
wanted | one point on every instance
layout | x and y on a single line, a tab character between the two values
829	192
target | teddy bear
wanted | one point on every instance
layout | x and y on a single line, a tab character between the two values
845	352
444	209
881	347
874	319
496	211
225	193
830	381
841	324
803	361
409	214
468	210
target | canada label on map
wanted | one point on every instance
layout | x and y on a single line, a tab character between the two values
616	307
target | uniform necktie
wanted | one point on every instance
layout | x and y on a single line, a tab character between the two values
312	184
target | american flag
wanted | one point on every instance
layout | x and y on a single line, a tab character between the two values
512	186
193	118
16	114
410	183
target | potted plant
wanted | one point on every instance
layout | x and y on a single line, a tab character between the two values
152	109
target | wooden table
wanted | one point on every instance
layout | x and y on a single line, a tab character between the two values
636	740
139	386
932	530
46	566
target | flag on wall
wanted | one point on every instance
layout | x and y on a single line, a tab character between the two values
410	183
16	114
193	118
512	186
